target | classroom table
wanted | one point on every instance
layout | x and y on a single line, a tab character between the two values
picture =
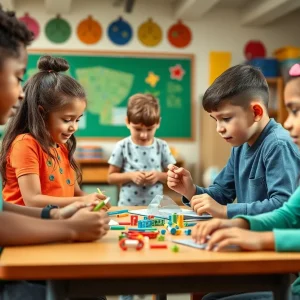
102	268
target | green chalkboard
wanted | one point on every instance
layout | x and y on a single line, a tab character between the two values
111	78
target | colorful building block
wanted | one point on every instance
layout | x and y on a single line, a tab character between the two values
161	238
180	221
188	232
163	231
158	246
175	249
133	220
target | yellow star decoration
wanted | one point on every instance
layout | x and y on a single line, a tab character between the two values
152	79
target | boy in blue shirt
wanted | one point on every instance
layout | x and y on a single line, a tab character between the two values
264	164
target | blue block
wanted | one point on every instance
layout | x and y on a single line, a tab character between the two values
163	231
188	232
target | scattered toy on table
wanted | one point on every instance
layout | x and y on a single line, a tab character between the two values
117	227
158	246
161	238
117	212
122	215
133	220
124	223
188	232
175	249
163	231
134	242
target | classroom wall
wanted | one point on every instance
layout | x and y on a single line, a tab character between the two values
217	31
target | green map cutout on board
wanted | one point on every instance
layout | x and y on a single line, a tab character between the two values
110	80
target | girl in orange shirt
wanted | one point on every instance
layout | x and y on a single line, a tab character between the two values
36	161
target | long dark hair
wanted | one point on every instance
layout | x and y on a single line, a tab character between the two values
50	90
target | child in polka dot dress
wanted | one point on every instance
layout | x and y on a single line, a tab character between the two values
37	161
139	162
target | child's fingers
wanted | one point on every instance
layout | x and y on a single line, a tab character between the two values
172	167
171	174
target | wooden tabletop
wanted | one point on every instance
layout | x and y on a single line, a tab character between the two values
105	259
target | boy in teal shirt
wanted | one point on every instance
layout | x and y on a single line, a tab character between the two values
254	174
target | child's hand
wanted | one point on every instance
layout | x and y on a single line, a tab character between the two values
92	199
180	181
151	177
138	177
88	225
205	204
245	239
202	230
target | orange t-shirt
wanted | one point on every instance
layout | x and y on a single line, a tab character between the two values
26	156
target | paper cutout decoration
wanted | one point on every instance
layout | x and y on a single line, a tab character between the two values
150	33
254	49
32	24
152	79
119	32
179	35
89	31
176	72
219	62
58	30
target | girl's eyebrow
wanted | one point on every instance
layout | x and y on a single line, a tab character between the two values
73	116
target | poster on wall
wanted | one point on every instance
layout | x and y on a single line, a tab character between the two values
218	63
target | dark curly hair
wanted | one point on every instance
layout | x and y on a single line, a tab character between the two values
13	35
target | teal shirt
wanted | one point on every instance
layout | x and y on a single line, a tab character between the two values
285	223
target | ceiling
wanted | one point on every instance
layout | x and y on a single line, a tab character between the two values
252	12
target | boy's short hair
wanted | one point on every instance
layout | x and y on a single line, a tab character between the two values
240	85
13	35
143	109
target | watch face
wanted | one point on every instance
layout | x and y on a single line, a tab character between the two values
120	32
89	31
149	33
31	24
58	30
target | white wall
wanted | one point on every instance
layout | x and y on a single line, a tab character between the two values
218	31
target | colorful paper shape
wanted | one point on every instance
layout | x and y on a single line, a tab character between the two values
120	32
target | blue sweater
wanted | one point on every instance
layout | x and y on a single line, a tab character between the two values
262	177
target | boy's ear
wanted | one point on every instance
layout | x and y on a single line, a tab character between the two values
127	122
258	111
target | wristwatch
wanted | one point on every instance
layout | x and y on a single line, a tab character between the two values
46	211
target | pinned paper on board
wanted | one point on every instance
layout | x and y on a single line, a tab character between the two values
218	63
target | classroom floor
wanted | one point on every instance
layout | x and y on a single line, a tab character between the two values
149	297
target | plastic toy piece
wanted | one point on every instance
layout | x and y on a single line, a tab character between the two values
188	232
116	227
163	231
161	238
122	236
186	224
150	235
180	221
138	243
122	215
175	249
117	212
178	232
158	246
124	223
133	220
143	229
144	223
